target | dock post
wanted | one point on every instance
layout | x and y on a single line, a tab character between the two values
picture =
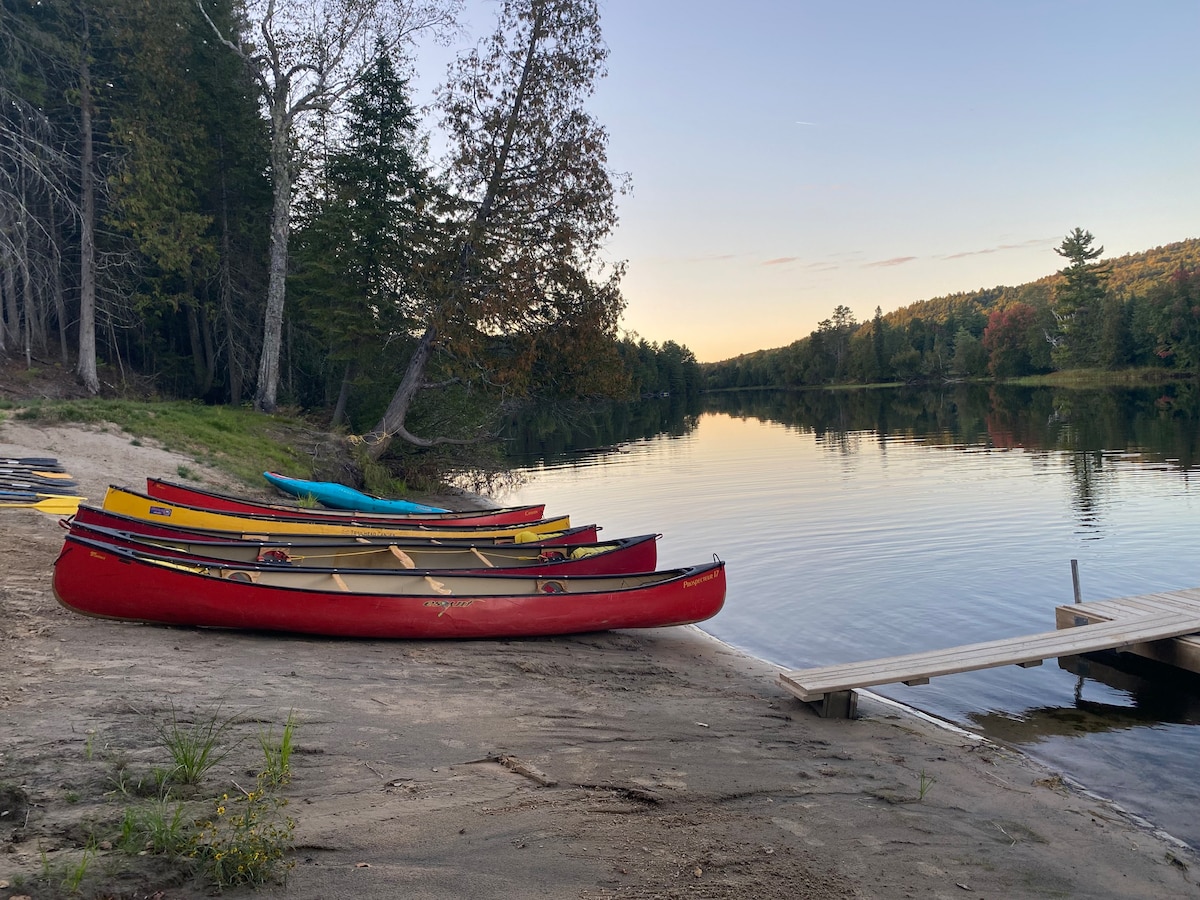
837	705
1075	580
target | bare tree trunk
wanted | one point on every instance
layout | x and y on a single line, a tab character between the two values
30	305
237	373
9	288
56	286
225	301
265	398
8	283
86	366
392	423
194	345
339	408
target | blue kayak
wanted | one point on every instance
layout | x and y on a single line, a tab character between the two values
338	496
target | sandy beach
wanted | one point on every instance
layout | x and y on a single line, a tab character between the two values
655	764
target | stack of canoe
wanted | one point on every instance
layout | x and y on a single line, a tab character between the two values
178	555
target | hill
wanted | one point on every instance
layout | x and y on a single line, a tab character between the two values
1131	274
1146	313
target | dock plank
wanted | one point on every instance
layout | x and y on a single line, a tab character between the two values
816	683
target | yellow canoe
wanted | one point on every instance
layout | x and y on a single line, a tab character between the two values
140	506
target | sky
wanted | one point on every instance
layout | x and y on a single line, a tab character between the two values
790	156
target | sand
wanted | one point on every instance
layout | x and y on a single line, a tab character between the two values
652	764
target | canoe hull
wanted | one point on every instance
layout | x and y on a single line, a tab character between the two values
624	555
173	492
339	496
100	580
140	506
93	515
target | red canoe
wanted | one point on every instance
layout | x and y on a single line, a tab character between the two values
173	492
633	554
94	515
98	579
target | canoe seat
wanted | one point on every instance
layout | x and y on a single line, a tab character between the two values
339	581
487	562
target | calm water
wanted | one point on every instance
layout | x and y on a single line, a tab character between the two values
877	523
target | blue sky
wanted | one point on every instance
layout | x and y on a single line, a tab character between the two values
788	156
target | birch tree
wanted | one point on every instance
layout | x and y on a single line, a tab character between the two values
304	57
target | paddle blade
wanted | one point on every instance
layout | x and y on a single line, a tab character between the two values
53	506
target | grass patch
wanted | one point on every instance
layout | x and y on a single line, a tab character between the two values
160	829
924	783
277	752
236	440
195	747
1099	378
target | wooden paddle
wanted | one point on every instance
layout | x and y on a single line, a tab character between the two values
54	505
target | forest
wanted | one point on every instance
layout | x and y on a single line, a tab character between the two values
236	201
1139	311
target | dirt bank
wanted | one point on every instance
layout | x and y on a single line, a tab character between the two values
623	764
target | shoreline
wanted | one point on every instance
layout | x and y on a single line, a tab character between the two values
873	699
668	763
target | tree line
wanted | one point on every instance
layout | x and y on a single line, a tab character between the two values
1137	311
235	200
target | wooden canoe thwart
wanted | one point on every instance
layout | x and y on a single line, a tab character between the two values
101	579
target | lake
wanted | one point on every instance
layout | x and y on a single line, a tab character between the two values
859	524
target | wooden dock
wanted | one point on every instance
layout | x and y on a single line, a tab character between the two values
1164	627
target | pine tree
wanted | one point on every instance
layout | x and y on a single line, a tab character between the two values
1078	300
363	254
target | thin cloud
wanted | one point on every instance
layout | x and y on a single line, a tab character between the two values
715	257
1000	248
780	260
894	261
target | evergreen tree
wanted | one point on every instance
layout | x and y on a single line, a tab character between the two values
362	256
1078	300
879	345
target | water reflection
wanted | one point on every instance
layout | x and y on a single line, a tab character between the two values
551	433
1136	693
1159	422
1158	425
